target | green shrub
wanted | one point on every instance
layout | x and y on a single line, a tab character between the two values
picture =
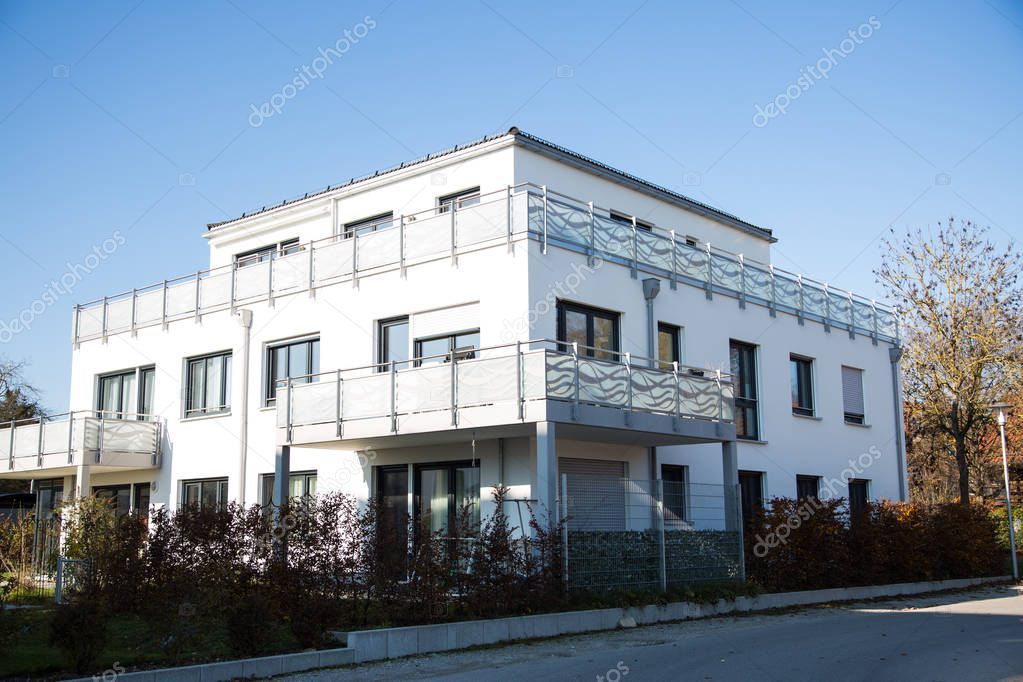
78	629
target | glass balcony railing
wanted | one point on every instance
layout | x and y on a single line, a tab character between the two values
512	374
131	441
522	211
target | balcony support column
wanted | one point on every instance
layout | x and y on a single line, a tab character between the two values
83	476
545	474
730	479
282	472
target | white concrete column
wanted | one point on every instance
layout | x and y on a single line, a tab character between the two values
83	476
730	479
545	470
282	472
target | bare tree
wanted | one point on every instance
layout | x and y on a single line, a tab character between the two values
958	298
18	398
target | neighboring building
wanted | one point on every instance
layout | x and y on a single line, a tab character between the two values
467	319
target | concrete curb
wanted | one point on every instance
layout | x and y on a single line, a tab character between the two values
384	643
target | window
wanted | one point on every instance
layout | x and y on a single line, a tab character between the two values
367	225
751	492
209	385
300	484
394	344
291	360
744	376
438	349
265	253
141	498
673	481
669	345
210	493
808	487
859	495
852	395
447	498
801	375
625	219
117	496
692	241
596	331
117	398
468	197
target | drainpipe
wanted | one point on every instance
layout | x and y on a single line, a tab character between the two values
651	287
245	320
894	355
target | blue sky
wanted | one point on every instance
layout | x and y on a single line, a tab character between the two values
134	117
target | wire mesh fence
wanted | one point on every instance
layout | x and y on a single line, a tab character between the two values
622	533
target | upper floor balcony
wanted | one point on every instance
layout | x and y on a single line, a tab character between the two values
516	213
496	391
56	445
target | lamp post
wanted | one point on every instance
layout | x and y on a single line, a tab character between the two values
1002	409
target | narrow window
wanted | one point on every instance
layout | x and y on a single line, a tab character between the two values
438	349
209	385
801	379
367	225
210	493
147	382
859	494
460	200
808	487
301	484
852	395
595	331
394	343
751	491
266	253
669	345
744	377
295	360
673	482
626	219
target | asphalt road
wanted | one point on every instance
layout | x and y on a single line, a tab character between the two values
975	635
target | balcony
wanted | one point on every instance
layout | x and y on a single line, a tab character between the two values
498	391
521	212
55	446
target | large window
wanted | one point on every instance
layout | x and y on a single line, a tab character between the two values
673	482
290	360
438	349
852	395
265	253
300	484
394	343
367	225
808	487
751	492
744	376
447	498
669	345
117	396
596	331
209	385
210	493
801	377
467	197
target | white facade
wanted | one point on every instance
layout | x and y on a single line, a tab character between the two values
516	256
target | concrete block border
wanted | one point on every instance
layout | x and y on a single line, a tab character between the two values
384	643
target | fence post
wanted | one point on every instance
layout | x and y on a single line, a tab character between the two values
58	587
661	553
564	526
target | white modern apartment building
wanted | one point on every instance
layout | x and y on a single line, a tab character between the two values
501	312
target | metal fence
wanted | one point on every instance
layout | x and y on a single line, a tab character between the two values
621	533
30	566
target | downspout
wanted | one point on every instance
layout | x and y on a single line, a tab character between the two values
894	355
651	287
245	320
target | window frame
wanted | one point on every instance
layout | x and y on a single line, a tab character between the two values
383	364
270	252
227	367
222	491
417	346
796	385
374	223
137	398
451	468
591	313
270	388
675	332
758	498
805	479
458	199
738	380
306	475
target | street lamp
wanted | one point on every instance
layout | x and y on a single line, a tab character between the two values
1002	409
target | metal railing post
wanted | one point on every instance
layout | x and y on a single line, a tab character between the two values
852	317
563	508
231	286
772	305
163	313
742	281
77	316
737	496
355	258
312	289
39	445
287	410
635	249
721	398
677	416
873	317
454	237
270	281
827	308
100	437
134	300
401	246
674	261
71	437
198	290
799	312
661	553
454	388
519	392
103	320
709	283
592	235
337	400
544	249
394	404
508	216
628	380
11	451
575	380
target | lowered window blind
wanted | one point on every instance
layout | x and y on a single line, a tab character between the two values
852	394
457	318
